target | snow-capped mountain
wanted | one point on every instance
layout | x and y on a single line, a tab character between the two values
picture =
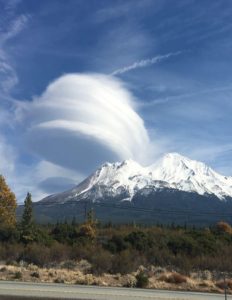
124	180
189	175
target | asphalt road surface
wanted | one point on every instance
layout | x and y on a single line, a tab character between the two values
16	290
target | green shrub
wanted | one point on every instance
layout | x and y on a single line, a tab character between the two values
101	262
126	262
37	255
59	280
117	244
142	280
35	275
69	264
140	240
18	275
3	269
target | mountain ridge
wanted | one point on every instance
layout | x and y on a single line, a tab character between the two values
123	180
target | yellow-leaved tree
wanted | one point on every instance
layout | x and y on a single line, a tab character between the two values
88	229
7	205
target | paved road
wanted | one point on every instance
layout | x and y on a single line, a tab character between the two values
62	291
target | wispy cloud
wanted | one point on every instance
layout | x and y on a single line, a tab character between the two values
11	26
10	5
14	28
184	96
8	76
145	62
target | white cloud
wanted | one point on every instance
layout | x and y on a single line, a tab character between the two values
7	157
145	62
11	5
42	179
78	123
14	28
181	97
53	178
13	25
83	120
8	76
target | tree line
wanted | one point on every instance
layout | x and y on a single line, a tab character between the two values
108	247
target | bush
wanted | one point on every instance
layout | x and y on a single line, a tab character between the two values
59	280
10	252
59	253
116	244
139	240
163	277
129	281
18	275
87	231
35	275
142	280
37	255
183	244
221	284
101	262
3	269
174	278
224	227
8	234
69	264
126	262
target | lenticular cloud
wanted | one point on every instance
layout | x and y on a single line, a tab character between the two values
83	120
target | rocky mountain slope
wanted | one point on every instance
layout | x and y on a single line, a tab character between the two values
174	189
123	180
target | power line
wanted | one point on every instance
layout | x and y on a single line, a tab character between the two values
132	208
161	211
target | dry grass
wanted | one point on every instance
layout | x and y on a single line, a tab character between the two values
79	273
174	278
221	284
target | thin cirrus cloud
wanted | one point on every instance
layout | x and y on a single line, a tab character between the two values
145	63
8	76
83	120
12	27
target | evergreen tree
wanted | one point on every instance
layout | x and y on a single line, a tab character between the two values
7	205
27	218
90	217
74	222
27	223
88	229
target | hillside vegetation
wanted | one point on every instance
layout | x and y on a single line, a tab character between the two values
116	250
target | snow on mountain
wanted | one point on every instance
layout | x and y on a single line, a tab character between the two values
113	179
171	171
123	180
189	175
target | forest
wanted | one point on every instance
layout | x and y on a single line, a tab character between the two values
110	248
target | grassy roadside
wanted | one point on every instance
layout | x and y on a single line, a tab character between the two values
145	277
31	298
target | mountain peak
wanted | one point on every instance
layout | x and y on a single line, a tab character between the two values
176	156
175	170
122	180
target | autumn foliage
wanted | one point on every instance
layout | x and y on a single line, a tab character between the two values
7	205
224	227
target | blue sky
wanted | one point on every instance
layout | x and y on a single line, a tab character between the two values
82	82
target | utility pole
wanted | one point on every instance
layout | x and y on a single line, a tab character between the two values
225	286
85	210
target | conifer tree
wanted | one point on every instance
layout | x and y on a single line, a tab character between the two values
27	222
7	205
88	229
